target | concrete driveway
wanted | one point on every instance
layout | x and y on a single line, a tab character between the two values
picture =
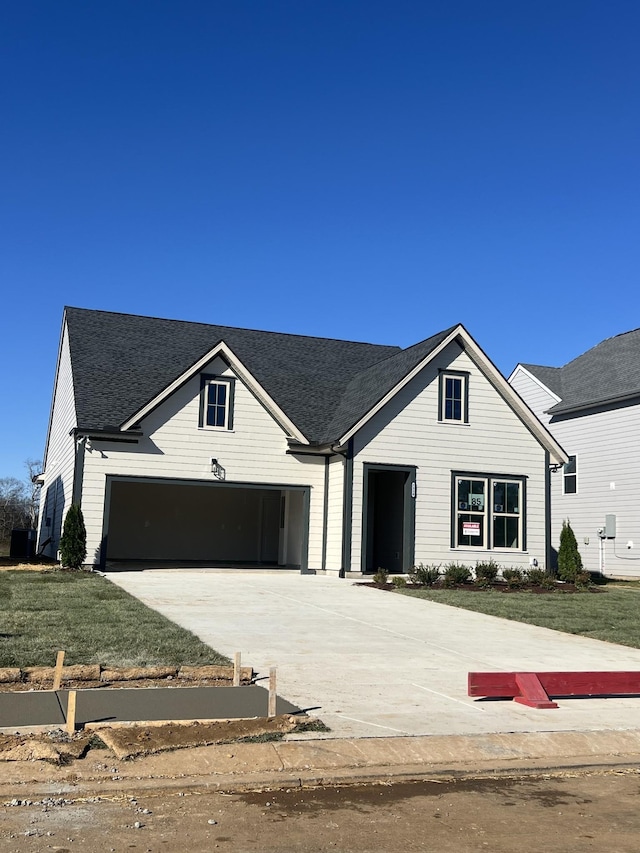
370	663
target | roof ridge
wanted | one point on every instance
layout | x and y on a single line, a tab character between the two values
233	328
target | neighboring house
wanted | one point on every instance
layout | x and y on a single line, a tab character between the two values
202	444
592	407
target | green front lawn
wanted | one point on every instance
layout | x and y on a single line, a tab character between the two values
92	620
612	615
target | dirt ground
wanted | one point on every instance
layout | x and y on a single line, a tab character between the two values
559	813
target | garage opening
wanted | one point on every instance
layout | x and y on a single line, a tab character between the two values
217	524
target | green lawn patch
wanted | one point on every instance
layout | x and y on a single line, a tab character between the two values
611	615
93	620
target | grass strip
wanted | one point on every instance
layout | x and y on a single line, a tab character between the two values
611	616
93	620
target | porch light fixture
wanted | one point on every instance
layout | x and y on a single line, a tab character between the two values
217	470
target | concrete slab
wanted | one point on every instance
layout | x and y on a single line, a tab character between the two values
374	664
43	708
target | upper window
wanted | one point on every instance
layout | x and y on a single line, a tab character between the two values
570	477
488	513
216	402
454	398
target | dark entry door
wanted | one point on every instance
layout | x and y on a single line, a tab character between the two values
389	519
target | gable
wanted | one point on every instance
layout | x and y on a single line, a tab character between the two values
178	418
538	396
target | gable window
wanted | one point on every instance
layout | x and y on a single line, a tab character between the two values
216	402
454	398
570	477
488	512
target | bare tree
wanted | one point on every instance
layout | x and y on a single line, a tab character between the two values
19	501
34	469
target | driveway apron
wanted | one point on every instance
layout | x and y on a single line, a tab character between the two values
370	663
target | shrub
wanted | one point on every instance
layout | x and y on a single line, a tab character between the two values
536	576
514	578
73	542
398	581
569	559
425	575
539	577
455	574
487	572
381	576
582	580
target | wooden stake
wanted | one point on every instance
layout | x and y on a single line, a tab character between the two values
57	675
71	712
272	692
236	669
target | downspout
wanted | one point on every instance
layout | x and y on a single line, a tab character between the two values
78	468
547	512
325	514
347	513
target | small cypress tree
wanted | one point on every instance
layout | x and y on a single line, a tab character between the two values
569	559
73	542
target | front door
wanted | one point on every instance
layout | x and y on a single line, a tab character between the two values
388	530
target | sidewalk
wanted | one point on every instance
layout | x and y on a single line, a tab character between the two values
296	763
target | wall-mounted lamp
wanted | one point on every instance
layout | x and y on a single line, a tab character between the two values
217	470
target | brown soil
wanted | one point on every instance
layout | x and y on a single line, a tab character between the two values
128	740
556	813
40	564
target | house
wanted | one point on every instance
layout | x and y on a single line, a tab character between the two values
592	407
210	445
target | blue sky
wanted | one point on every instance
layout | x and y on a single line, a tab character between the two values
367	170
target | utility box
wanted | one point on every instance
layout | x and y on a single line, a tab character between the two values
23	543
610	526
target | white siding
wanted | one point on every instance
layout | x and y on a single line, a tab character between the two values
605	444
495	441
335	514
175	447
606	447
535	395
59	455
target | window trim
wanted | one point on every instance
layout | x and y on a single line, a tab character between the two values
490	480
207	379
566	475
463	376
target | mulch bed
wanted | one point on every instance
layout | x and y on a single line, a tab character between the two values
497	586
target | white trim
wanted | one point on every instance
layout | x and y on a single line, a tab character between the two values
538	382
509	394
241	372
216	380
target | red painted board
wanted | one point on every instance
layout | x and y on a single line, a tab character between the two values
532	692
504	684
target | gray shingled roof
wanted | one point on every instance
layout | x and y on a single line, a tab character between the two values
123	361
607	373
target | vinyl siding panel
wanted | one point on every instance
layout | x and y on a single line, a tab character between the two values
605	444
534	395
60	455
175	447
335	514
495	441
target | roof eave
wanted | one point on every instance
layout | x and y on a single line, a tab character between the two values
593	404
